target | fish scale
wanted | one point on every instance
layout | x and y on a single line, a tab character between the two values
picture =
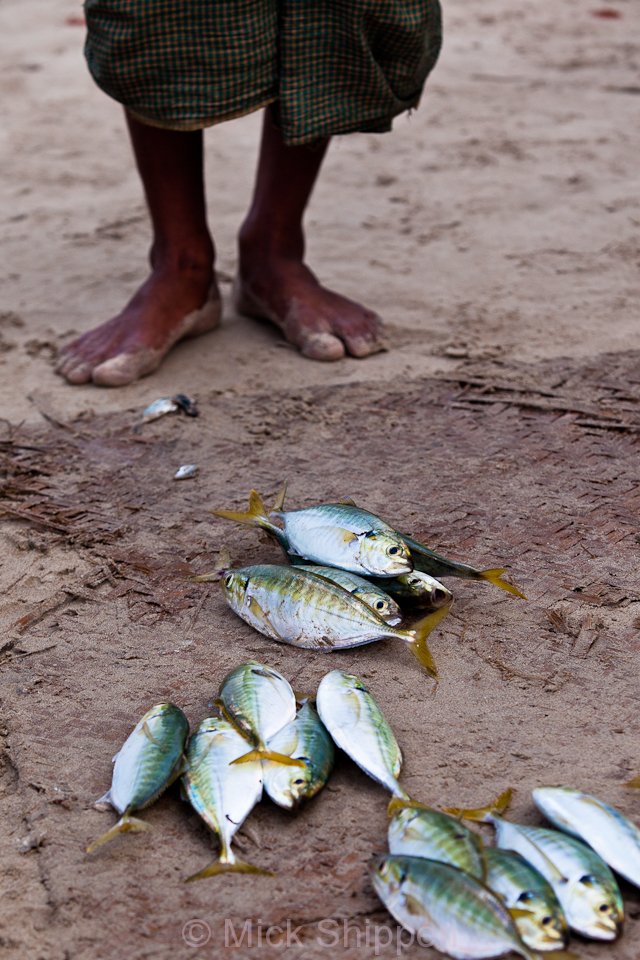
436	836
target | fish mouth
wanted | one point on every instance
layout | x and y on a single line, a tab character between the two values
601	930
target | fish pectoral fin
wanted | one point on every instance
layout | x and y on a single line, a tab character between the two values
494	576
214	576
262	753
278	503
348	536
125	824
262	616
220	866
149	735
416	908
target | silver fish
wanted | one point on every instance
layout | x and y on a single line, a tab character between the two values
447	909
306	739
373	594
614	837
150	759
220	791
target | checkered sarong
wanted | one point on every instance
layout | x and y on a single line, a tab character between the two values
334	66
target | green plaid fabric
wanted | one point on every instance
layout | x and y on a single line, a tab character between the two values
334	66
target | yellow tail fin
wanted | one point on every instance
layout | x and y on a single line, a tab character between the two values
494	576
632	783
264	754
255	516
420	632
278	503
125	824
483	814
218	866
405	803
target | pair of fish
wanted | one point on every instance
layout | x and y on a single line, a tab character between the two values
344	535
291	755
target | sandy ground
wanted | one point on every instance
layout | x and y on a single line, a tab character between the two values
497	231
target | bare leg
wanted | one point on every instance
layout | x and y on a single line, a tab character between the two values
179	298
274	282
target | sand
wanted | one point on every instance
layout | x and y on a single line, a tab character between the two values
496	230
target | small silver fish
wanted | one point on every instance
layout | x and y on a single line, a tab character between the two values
447	909
260	702
370	593
186	471
613	836
151	758
159	408
220	791
306	739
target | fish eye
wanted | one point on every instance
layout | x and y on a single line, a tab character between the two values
228	580
299	781
588	879
393	550
525	897
604	908
546	921
379	604
414	582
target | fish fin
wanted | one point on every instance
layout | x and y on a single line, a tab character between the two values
218	572
149	735
124	825
416	908
115	757
348	536
278	503
482	814
517	913
405	803
262	753
104	802
262	615
419	634
254	516
348	502
494	576
219	866
632	783
302	697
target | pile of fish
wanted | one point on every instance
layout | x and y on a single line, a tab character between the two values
439	880
349	579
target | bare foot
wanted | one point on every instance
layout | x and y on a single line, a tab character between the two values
323	325
175	302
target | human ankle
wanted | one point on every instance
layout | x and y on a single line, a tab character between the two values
258	240
195	258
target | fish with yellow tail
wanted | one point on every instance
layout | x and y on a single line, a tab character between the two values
291	605
581	880
306	739
221	792
259	701
428	561
151	758
336	534
447	909
416	830
612	835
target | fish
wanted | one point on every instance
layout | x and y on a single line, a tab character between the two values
259	702
221	792
581	880
447	909
416	589
607	831
159	408
373	595
303	609
428	561
306	739
333	534
151	758
539	918
186	471
634	782
358	726
433	835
